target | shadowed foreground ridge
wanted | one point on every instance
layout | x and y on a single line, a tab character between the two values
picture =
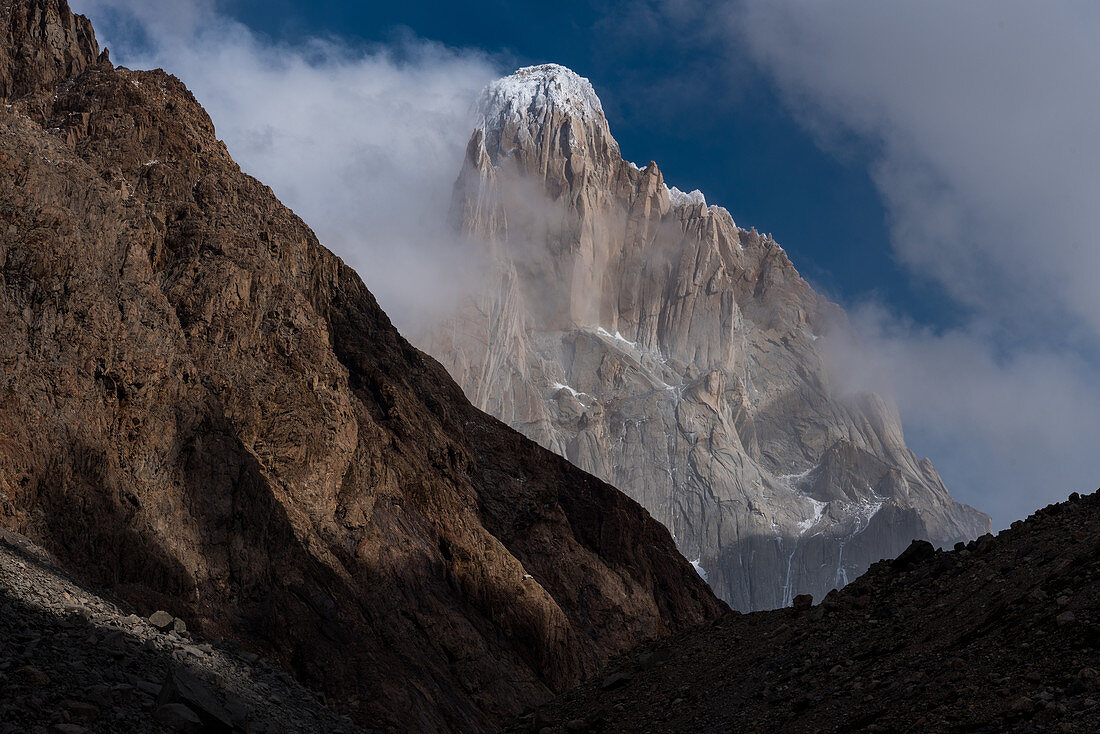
204	410
1002	634
74	661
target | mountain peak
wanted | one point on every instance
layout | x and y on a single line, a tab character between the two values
42	42
630	327
532	91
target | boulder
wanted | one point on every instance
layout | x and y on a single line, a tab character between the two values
161	619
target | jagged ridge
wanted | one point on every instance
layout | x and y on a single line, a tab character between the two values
642	334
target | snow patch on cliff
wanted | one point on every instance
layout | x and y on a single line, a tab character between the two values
680	198
693	198
818	511
559	386
616	336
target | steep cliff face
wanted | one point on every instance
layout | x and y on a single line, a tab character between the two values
206	411
42	44
639	332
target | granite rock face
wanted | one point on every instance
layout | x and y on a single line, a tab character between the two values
642	334
206	412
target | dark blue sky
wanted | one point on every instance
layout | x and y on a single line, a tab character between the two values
708	117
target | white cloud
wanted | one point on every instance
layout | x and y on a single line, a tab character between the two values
982	116
985	113
364	143
1010	432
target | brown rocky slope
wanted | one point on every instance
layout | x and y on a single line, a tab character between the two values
204	410
1001	634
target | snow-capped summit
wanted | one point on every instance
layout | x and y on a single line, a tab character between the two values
631	327
533	90
686	198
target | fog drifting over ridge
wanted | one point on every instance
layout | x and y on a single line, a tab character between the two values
364	143
981	116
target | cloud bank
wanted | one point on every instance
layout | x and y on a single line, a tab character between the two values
982	119
364	143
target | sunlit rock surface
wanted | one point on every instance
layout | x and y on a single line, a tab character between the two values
642	334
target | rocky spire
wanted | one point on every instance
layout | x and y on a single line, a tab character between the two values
641	333
546	121
42	42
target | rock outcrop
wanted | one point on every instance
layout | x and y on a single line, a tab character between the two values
206	412
639	332
1001	634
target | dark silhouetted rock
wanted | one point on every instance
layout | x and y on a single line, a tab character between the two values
81	710
967	648
81	681
32	675
917	552
615	680
178	717
183	687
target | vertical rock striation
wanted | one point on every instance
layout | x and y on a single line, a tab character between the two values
205	411
642	334
41	44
